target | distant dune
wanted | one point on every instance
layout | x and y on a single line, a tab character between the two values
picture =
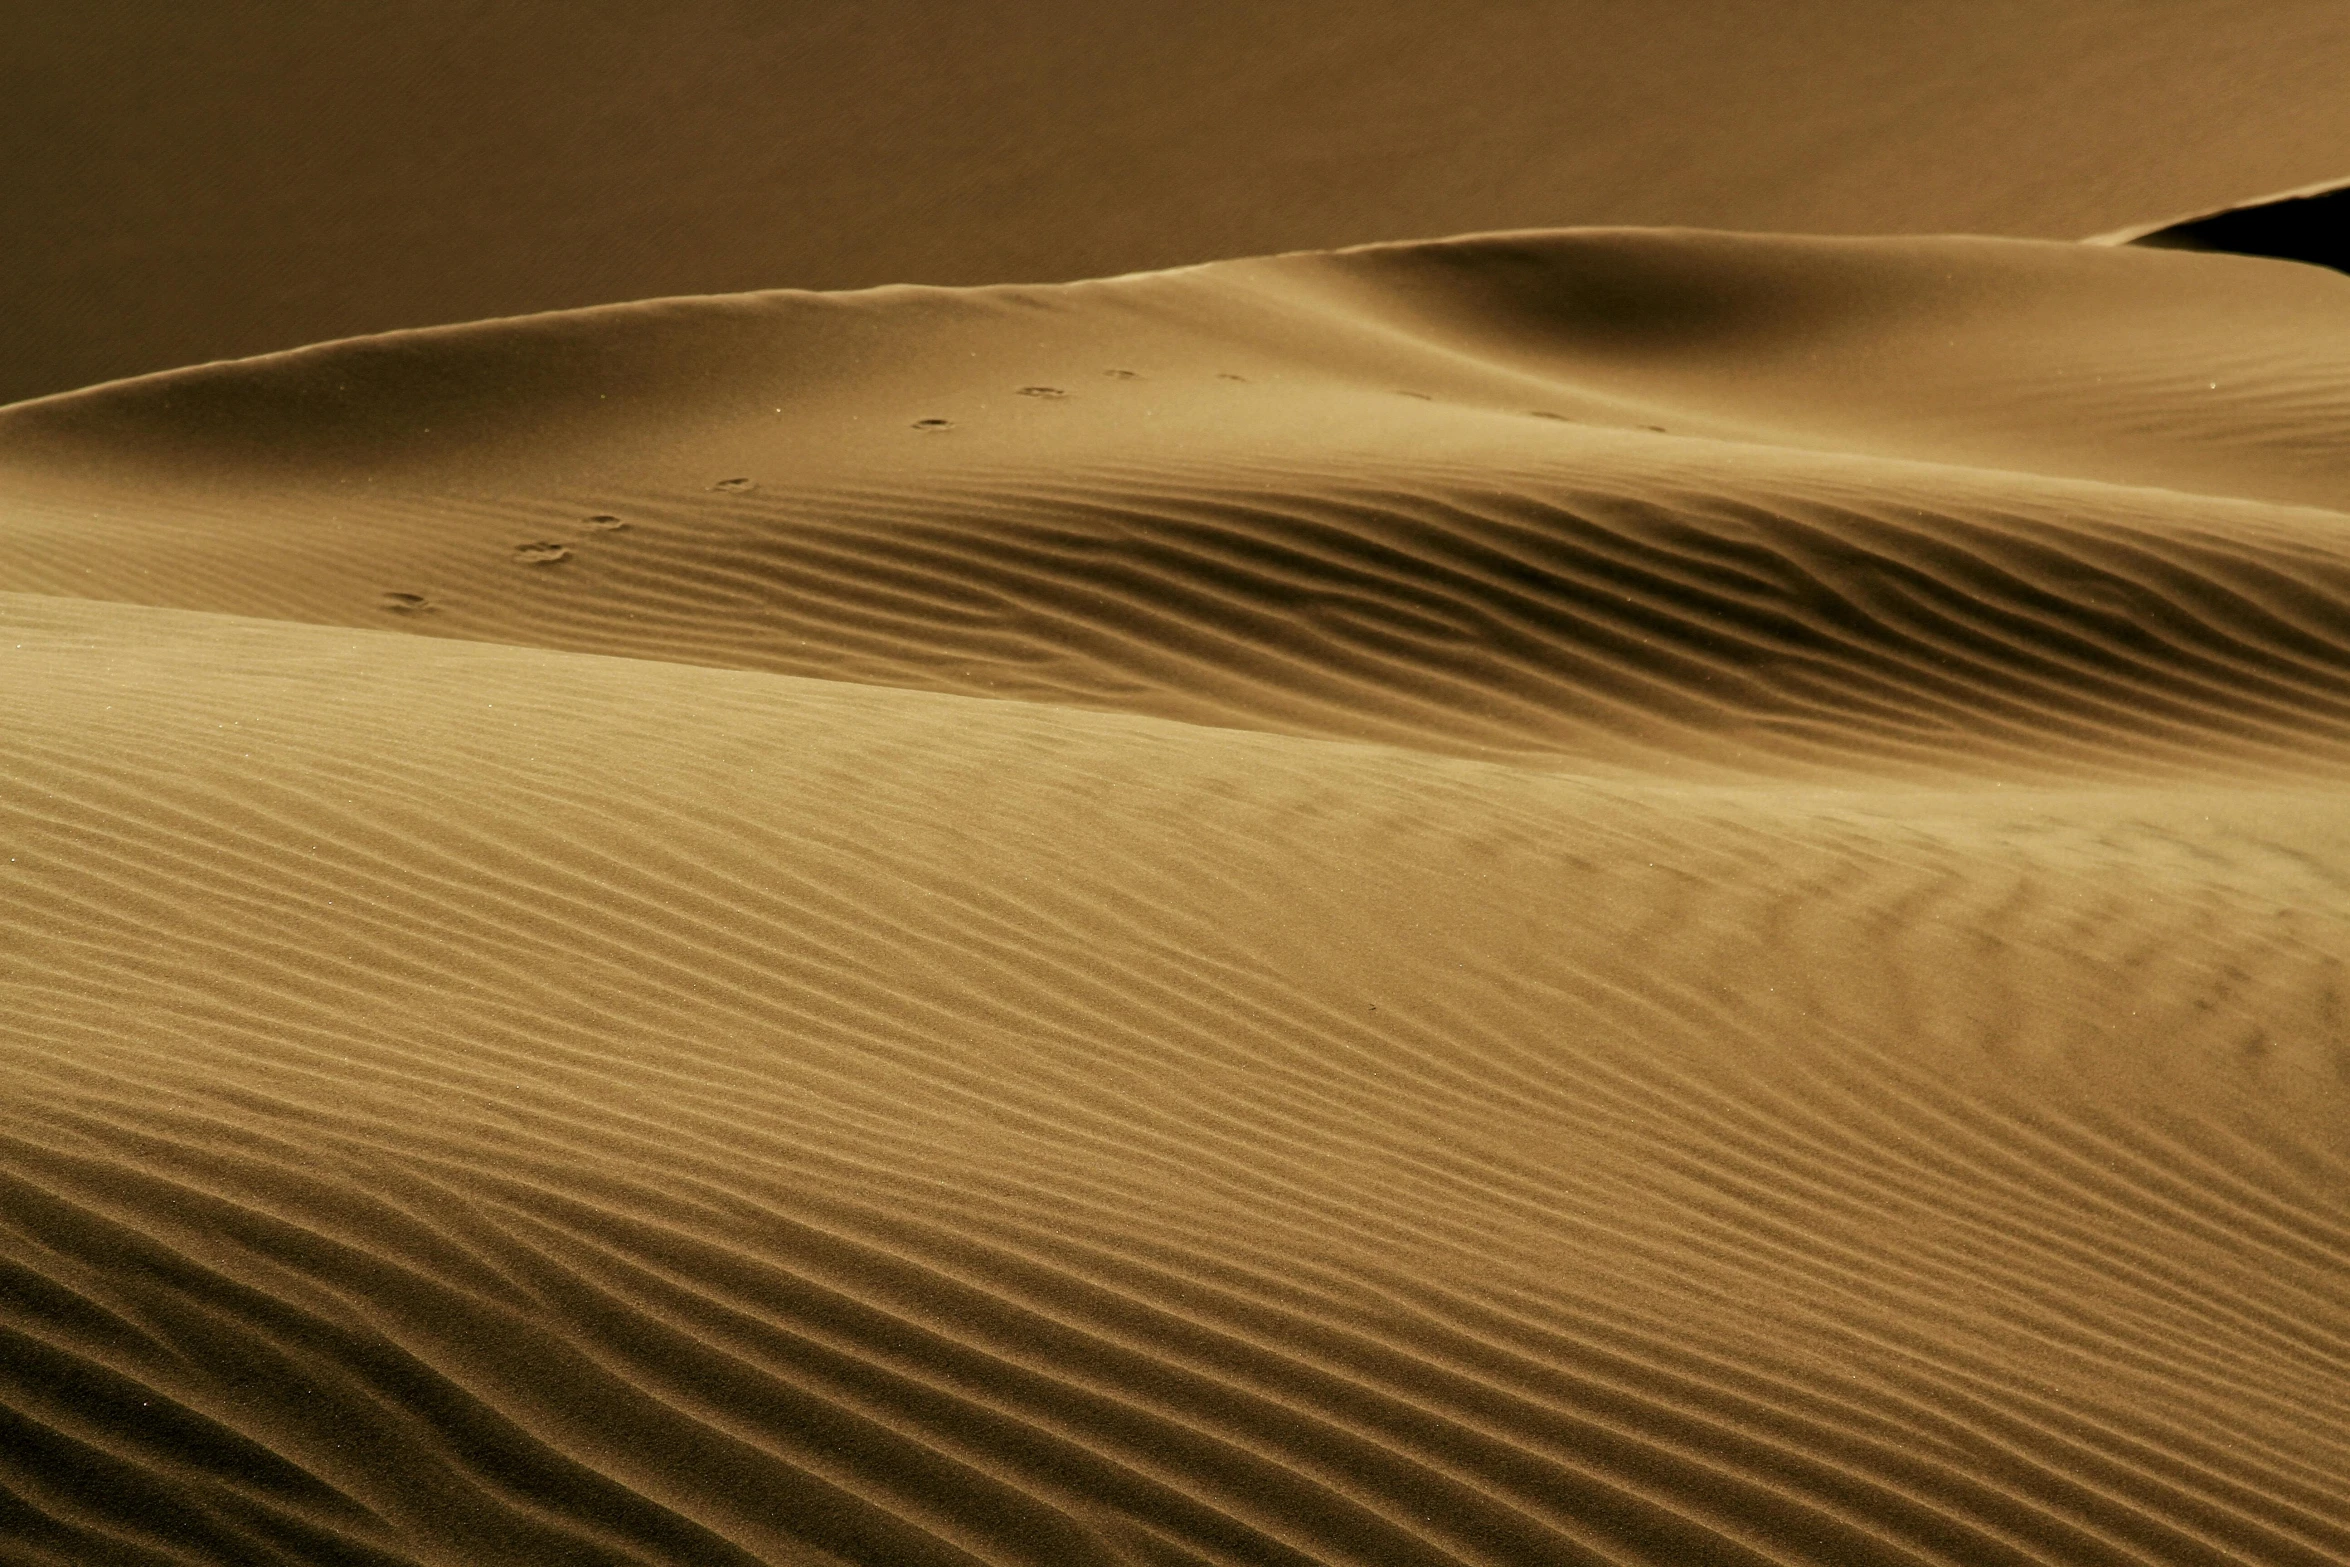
1590	896
188	183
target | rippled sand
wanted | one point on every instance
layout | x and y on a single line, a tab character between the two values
1599	896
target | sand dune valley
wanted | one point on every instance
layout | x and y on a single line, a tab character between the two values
1592	892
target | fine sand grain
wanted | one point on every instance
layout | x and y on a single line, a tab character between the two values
1604	896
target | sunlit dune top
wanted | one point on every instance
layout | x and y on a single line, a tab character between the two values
1719	504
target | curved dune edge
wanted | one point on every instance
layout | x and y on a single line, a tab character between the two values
1717	504
2308	224
2012	355
1325	950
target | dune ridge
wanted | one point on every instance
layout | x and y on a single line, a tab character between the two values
2306	224
1289	938
292	174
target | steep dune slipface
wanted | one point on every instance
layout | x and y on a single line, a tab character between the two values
2310	225
1613	897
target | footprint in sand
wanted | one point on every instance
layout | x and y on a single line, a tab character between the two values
1123	375
541	553
1042	391
1226	375
734	486
604	522
934	425
409	604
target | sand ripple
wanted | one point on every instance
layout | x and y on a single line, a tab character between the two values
1344	978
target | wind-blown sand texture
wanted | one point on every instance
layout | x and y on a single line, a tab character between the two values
1568	897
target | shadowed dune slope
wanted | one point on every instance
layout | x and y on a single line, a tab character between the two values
2311	225
1596	897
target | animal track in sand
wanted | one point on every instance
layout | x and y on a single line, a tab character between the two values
605	522
734	486
541	553
934	425
409	604
1042	391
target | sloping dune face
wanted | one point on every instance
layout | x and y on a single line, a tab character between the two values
2310	225
1607	897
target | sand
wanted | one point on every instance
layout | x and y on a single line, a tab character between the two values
1595	895
182	183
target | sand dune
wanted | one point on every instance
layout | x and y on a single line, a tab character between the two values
1746	502
1595	896
193	183
2311	224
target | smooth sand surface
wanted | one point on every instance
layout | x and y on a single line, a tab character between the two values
190	182
1614	896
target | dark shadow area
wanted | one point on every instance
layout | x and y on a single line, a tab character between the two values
2313	228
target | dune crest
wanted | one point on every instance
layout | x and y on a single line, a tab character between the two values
1741	504
2310	224
1595	896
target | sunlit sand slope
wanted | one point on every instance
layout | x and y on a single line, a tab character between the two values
525	1106
1742	502
1294	939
